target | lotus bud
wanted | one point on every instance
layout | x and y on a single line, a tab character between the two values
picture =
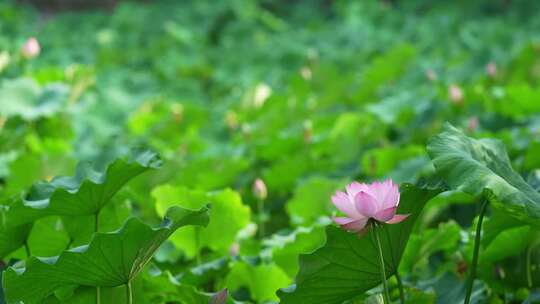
431	75
491	69
259	189
455	94
31	48
234	250
473	123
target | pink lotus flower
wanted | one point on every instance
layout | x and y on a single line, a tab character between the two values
364	202
31	48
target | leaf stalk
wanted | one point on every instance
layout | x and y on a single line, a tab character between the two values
386	295
129	293
400	286
476	251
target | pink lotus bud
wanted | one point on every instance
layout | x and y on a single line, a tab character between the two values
431	75
259	189
235	249
30	48
455	94
473	123
362	202
491	69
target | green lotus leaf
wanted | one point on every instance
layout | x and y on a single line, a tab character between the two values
482	166
111	259
84	194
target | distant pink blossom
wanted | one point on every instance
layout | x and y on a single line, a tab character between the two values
31	48
361	202
431	75
234	250
455	93
473	123
491	69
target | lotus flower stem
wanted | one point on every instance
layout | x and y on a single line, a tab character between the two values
381	262
96	230
400	286
129	293
477	238
528	263
528	266
260	213
198	258
96	223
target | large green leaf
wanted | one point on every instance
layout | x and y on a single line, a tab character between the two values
383	69
427	242
111	259
84	194
23	97
262	280
379	161
310	200
48	237
347	266
478	166
11	238
229	215
285	248
163	287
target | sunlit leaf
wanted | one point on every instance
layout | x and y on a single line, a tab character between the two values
262	280
311	200
227	217
84	194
